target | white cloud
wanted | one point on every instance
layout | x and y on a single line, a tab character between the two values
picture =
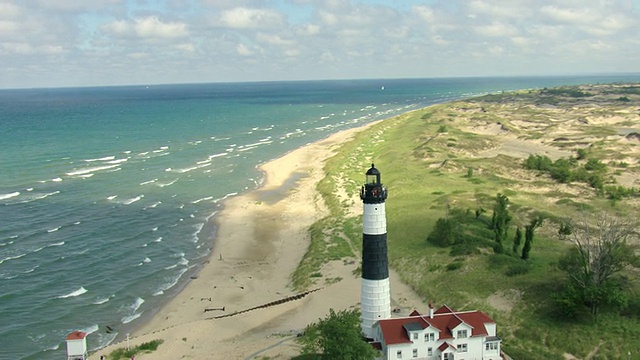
247	18
22	48
497	29
242	49
9	11
273	39
147	27
49	42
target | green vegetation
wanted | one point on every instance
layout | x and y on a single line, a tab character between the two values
443	242
338	336
144	348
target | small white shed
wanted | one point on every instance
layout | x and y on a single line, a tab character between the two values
77	346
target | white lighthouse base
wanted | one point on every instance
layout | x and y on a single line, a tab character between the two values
375	304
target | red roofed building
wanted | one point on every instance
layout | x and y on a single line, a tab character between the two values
77	346
444	334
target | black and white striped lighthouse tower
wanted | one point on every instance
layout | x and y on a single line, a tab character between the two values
375	297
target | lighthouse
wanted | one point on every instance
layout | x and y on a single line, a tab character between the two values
375	297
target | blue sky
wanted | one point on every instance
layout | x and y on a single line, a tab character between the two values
51	43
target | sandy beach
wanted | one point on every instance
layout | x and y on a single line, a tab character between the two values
261	237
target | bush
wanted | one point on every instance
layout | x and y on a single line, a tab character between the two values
520	268
445	233
454	265
463	249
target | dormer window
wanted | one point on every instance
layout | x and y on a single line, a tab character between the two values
462	334
415	336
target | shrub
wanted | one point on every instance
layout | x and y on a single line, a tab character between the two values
463	249
454	265
445	233
520	268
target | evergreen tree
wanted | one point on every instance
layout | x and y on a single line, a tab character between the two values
501	218
517	240
528	236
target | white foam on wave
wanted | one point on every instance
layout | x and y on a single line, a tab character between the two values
106	158
85	176
31	270
225	197
183	261
56	179
217	155
56	244
118	161
152	205
158	239
146	260
78	292
136	305
132	200
100	301
149	182
112	197
90	170
167	184
185	170
264	141
91	329
9	196
203	199
171	283
130	318
54	229
12	258
38	196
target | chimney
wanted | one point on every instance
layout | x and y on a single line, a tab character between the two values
430	310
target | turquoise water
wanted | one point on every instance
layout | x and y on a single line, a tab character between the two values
106	193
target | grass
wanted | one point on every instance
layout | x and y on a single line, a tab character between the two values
432	179
145	348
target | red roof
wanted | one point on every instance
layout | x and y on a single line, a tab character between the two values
76	335
446	345
444	320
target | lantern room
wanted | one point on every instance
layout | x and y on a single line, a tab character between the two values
373	191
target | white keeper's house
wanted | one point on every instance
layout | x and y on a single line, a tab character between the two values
443	334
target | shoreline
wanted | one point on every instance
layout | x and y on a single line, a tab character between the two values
261	236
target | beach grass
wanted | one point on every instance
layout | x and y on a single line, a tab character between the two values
425	156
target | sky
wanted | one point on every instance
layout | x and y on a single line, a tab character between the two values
59	43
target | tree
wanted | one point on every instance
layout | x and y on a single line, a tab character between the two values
501	218
600	252
337	336
528	236
517	240
446	232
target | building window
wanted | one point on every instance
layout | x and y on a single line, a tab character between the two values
448	356
462	334
399	354
415	336
431	337
491	346
415	353
429	351
462	348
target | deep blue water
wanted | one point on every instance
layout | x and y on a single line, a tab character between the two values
106	194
